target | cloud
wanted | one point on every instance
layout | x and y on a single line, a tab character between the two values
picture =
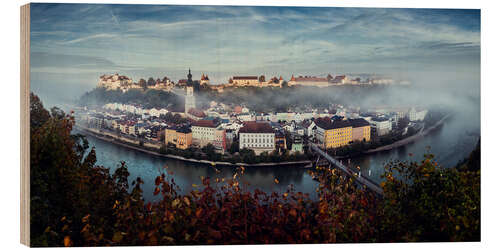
49	60
85	38
249	39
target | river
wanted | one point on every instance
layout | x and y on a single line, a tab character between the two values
185	174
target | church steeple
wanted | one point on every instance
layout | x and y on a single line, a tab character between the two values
189	75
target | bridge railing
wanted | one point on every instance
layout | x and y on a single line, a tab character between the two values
360	179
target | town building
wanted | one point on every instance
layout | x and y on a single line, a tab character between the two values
195	114
114	82
165	84
184	138
333	134
157	132
181	137
245	117
309	81
280	141
381	125
416	114
342	79
258	136
297	144
171	135
220	142
308	126
245	80
204	132
360	129
273	82
141	129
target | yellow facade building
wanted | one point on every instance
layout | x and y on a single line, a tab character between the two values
339	133
342	134
182	138
170	136
360	129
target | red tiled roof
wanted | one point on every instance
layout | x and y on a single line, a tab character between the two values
245	77
311	79
205	123
196	112
256	127
238	109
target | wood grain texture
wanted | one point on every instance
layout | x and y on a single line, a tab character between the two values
25	124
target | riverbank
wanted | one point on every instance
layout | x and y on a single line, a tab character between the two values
408	140
117	141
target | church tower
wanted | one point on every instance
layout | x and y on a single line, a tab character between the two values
190	78
189	102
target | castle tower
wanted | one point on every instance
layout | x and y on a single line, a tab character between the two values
204	79
292	81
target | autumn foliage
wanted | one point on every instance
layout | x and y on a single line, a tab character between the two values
76	203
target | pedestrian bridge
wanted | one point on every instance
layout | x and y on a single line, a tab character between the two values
359	179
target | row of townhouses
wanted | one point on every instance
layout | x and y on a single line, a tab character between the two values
221	125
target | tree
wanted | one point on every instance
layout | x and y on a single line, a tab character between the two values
403	122
143	83
248	155
38	114
425	202
208	149
234	147
151	82
57	113
474	161
66	186
289	140
262	78
163	149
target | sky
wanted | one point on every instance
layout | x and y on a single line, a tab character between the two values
79	42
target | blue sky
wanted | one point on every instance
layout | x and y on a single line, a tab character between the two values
158	40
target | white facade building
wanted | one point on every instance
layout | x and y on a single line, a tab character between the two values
245	80
416	115
114	82
203	132
258	136
381	126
